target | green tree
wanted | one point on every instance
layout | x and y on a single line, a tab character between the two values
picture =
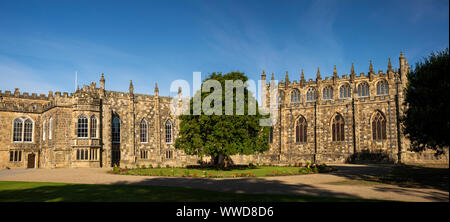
426	119
220	136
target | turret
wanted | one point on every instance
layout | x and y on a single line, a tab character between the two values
403	67
287	78
131	88
263	76
352	73
335	76
318	74
156	90
390	71
371	73
102	82
302	79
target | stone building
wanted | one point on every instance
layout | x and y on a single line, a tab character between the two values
326	120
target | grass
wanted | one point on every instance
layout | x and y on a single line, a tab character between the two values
262	171
65	192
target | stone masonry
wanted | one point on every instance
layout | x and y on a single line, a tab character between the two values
54	133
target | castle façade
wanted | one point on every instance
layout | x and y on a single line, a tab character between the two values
323	120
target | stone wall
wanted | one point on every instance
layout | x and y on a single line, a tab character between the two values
64	109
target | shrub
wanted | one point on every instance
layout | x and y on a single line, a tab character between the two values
305	170
150	166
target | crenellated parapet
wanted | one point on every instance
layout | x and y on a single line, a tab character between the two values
372	79
24	95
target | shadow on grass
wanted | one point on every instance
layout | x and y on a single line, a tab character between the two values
155	191
410	176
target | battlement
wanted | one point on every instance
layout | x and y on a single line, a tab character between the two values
24	95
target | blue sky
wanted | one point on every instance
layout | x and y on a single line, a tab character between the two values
43	43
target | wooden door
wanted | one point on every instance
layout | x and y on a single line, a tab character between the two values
31	159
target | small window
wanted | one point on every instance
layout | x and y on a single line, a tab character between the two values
23	130
15	156
382	88
295	96
44	128
93	127
169	154
337	128
18	128
300	130
345	91
82	130
168	131
379	127
87	154
116	130
28	131
311	94
144	154
50	128
363	89
144	131
328	93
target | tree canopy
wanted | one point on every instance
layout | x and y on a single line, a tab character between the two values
426	119
218	135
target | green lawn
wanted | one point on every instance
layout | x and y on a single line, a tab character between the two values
64	192
261	171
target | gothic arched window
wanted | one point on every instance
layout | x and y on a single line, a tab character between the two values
337	128
328	93
44	129
18	130
300	130
50	128
28	131
363	89
382	88
379	127
295	96
345	91
93	126
116	130
143	131
311	94
168	131
82	130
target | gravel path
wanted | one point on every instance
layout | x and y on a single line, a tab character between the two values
312	184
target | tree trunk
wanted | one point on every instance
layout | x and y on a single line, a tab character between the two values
221	160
